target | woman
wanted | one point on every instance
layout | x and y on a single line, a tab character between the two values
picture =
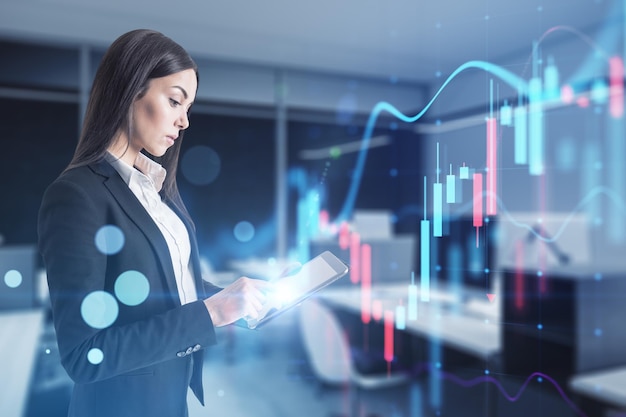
131	312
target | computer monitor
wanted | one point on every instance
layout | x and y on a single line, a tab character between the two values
18	266
462	260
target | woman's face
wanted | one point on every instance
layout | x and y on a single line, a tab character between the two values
161	113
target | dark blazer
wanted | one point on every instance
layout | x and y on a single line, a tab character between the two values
152	351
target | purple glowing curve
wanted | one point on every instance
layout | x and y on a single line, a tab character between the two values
512	398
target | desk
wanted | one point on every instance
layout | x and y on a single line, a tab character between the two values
20	332
455	324
606	387
566	322
469	332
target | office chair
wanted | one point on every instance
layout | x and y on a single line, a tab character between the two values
330	356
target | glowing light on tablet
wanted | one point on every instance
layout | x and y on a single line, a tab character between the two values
132	288
281	296
288	289
109	239
13	278
99	309
95	356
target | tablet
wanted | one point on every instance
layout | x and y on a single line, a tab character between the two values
291	290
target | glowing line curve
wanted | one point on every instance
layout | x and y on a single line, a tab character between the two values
565	28
517	396
596	191
513	80
428	368
592	194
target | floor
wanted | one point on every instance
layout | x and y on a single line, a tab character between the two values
265	373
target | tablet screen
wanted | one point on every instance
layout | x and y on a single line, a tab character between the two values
289	291
310	276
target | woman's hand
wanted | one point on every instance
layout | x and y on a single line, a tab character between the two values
243	298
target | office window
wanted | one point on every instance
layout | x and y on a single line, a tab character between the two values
227	179
390	179
38	140
40	67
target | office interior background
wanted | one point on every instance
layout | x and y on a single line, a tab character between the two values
466	158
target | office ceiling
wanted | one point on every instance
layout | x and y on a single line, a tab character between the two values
411	40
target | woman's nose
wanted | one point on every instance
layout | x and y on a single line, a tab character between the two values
183	121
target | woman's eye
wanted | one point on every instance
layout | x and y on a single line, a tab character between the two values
174	103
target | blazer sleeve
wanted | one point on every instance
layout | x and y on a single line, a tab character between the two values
68	219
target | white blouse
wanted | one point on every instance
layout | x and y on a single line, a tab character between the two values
145	180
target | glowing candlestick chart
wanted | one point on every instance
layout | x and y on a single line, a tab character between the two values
522	117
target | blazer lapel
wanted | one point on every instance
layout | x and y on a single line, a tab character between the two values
136	212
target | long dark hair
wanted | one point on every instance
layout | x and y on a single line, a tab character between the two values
124	74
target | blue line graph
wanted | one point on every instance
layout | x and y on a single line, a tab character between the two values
510	78
525	91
